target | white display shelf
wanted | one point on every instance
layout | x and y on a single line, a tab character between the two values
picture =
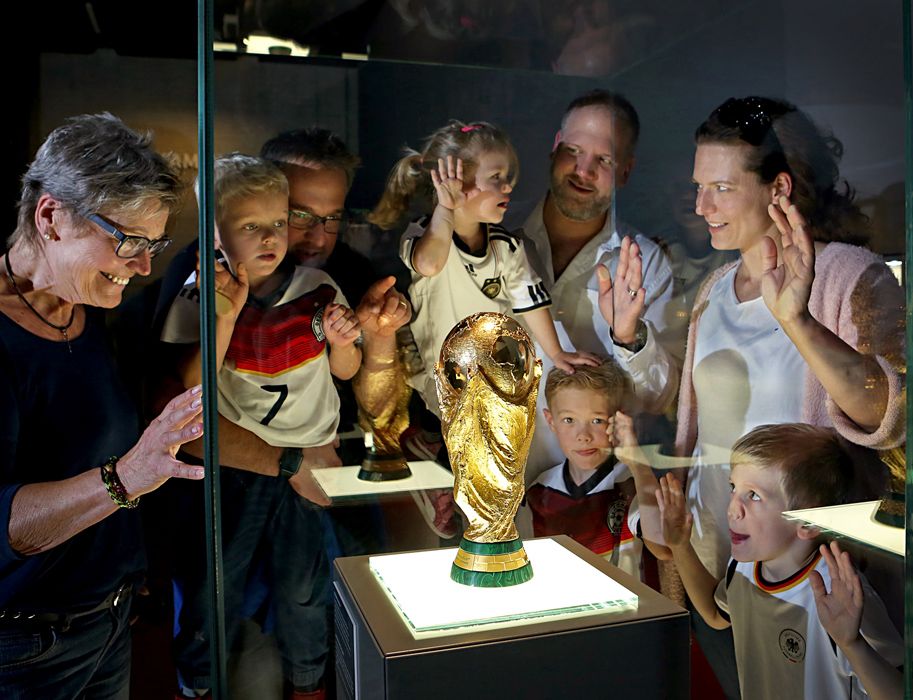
855	521
431	604
652	455
343	482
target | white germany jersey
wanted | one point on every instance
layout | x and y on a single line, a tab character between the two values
499	278
781	649
276	379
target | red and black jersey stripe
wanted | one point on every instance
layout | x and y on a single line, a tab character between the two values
272	341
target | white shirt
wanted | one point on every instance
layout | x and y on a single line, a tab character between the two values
747	372
498	279
580	325
782	651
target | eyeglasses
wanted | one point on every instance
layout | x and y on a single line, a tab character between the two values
129	246
750	115
305	221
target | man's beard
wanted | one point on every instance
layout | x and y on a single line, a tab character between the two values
567	202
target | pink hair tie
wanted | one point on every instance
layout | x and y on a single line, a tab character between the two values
470	127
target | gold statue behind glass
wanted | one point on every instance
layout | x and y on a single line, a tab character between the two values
487	381
383	413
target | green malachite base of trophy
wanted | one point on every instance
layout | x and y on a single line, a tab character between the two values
388	467
491	564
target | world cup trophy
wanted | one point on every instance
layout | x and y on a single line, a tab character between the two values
487	383
383	413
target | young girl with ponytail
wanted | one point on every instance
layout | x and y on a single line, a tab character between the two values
462	260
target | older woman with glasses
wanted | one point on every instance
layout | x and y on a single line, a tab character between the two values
73	464
806	326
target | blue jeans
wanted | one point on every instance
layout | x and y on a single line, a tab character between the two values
267	530
90	659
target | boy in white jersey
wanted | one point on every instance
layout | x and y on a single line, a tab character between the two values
281	329
281	332
782	649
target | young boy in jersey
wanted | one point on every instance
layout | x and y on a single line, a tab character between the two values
588	496
281	332
768	594
281	329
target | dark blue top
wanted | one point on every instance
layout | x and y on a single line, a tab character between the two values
62	414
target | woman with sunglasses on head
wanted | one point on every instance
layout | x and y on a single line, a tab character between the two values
73	463
806	326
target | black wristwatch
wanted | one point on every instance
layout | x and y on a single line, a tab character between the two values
290	461
640	338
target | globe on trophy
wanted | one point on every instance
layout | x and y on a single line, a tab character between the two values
487	381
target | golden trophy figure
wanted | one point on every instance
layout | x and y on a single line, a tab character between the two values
487	382
383	413
891	510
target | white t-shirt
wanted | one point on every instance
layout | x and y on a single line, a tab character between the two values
498	279
781	649
275	381
580	325
688	274
747	372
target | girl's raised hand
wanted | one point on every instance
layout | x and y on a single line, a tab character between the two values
448	183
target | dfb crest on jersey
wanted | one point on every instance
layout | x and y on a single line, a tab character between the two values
492	287
792	644
317	324
615	518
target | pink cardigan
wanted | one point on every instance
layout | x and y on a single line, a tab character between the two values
855	296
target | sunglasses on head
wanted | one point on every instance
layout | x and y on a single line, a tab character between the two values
752	116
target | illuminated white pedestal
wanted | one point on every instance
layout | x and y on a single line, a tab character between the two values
563	585
343	482
709	455
855	521
636	646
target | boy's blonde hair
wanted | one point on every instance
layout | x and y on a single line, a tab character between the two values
607	378
239	175
413	171
815	466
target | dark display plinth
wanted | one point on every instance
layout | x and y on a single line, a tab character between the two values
637	652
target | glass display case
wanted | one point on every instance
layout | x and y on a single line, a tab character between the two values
381	76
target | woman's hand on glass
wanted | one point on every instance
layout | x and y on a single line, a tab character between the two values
151	461
789	269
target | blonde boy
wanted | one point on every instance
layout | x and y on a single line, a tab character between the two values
782	650
281	332
589	495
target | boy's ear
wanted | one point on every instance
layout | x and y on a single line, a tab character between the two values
557	141
548	419
808	532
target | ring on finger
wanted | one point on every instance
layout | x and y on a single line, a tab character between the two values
632	292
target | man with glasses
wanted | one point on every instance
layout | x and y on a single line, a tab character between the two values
601	273
320	170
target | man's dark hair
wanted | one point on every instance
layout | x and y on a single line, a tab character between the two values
312	146
616	103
